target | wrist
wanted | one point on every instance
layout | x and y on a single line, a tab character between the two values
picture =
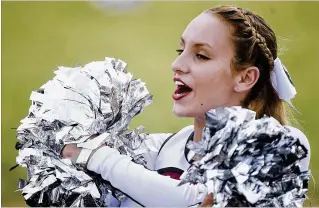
84	156
82	152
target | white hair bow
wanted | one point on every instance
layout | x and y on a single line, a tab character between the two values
282	82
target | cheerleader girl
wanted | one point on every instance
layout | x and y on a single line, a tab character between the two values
227	57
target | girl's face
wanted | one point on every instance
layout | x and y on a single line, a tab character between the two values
202	71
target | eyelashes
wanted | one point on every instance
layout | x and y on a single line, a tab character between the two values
179	51
198	55
202	57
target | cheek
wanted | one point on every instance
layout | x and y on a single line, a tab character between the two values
214	88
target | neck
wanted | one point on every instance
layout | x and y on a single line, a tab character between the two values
199	124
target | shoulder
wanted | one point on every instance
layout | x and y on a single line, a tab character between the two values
163	136
179	136
187	129
304	163
158	136
300	135
184	132
182	135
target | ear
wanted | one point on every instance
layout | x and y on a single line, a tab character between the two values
246	79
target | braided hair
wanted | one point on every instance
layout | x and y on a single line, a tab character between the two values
254	44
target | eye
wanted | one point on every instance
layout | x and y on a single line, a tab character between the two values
202	57
179	51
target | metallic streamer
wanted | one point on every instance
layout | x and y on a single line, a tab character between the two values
96	101
248	162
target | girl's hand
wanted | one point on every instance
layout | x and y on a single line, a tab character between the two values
70	151
208	201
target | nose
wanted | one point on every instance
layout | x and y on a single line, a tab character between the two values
180	65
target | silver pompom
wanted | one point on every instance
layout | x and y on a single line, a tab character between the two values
99	99
248	162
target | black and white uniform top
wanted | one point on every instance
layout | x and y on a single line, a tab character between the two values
156	185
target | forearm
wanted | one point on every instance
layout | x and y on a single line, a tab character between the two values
145	186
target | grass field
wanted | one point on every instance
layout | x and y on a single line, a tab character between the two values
39	36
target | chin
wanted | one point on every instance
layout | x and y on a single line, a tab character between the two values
180	111
180	114
188	111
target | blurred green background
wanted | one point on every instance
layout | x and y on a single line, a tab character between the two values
39	36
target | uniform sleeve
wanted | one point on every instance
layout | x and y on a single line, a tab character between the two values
145	186
304	163
153	143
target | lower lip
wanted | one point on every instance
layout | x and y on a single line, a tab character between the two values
180	96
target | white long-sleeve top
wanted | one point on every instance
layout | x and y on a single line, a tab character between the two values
156	185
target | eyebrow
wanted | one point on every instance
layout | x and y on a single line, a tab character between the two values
198	44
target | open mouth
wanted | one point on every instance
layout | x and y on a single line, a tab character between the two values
182	89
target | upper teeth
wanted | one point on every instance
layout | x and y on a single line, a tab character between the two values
178	83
